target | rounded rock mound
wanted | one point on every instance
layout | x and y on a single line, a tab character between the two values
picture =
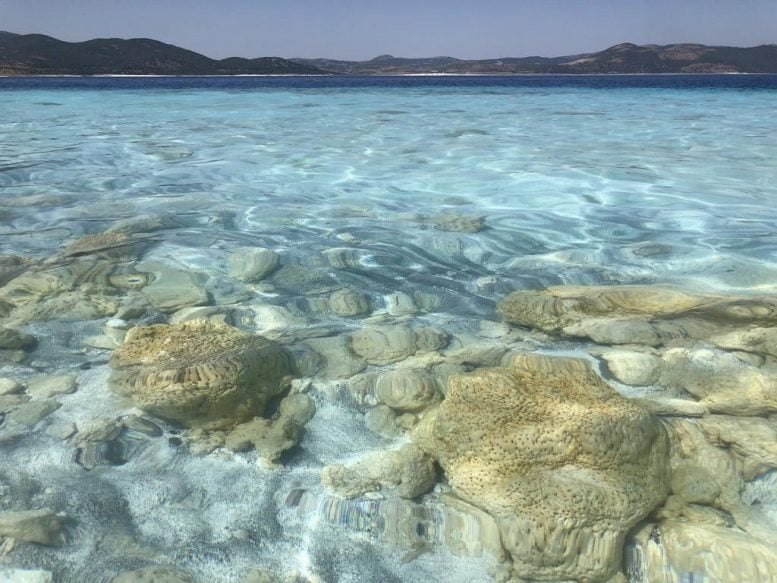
198	372
563	462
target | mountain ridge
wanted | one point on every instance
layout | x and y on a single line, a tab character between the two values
37	54
620	58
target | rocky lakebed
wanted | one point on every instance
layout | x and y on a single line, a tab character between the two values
264	420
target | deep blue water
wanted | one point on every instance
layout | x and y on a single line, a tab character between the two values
742	82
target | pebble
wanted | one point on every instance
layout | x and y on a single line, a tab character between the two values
46	386
62	430
9	387
252	263
32	413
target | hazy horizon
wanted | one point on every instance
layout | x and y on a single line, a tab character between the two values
353	30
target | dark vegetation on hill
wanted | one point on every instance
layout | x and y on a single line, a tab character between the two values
623	58
37	54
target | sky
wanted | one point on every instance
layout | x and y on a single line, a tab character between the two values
362	29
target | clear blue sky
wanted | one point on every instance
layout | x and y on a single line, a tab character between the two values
362	29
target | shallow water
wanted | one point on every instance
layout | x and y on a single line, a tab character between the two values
568	181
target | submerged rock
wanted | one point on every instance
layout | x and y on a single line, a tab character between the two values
340	361
143	224
694	458
46	386
562	461
10	387
632	367
681	551
752	439
155	574
459	223
299	279
172	289
252	263
721	381
383	345
407	472
752	340
461	528
69	306
649	315
198	372
271	437
407	390
35	526
11	339
119	246
115	442
348	303
30	414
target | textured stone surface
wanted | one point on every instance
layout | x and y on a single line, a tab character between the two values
690	447
459	223
195	372
252	263
9	387
564	463
670	407
340	362
10	402
721	381
35	526
46	386
752	439
11	339
649	315
706	552
757	340
406	472
694	484
153	574
271	437
383	345
632	368
346	302
172	289
32	413
407	390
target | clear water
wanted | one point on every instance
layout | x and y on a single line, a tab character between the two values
575	179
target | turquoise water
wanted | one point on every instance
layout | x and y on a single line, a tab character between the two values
567	184
569	179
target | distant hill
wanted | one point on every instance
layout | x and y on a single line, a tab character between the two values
37	54
622	58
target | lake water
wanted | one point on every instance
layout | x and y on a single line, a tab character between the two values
432	198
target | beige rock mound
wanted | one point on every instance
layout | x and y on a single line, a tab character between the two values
563	462
198	372
649	315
